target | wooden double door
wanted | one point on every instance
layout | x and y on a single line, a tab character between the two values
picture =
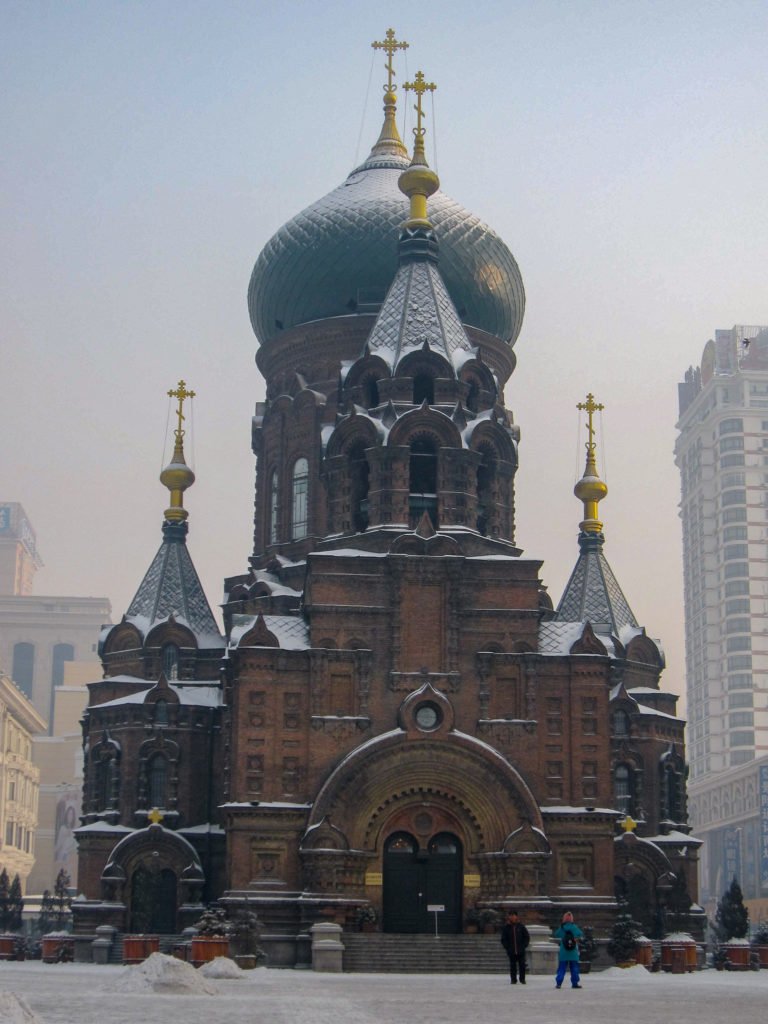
419	878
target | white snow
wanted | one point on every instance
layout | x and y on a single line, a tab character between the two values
164	975
15	1010
224	968
63	993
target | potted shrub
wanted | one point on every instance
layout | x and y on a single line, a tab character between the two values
732	925
624	936
760	943
472	921
587	947
212	938
489	920
365	918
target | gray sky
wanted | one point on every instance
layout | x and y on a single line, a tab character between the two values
150	149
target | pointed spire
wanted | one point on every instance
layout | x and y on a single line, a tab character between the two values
419	181
177	476
590	489
389	141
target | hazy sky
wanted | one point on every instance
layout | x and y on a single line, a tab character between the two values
150	149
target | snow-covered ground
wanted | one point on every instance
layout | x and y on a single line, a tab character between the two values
84	994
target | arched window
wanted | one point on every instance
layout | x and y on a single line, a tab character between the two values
620	723
670	792
473	394
486	480
300	500
61	654
157	779
623	789
273	507
371	393
24	667
359	481
423	389
422	482
103	784
171	661
160	714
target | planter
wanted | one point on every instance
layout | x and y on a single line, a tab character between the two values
737	956
678	954
207	947
58	949
762	953
368	926
7	947
136	948
644	954
470	929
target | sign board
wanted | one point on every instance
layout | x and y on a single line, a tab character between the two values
374	878
435	908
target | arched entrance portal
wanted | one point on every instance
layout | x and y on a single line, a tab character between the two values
153	901
417	878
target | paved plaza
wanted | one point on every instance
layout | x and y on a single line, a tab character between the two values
67	993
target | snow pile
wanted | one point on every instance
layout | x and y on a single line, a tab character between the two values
222	967
15	1010
164	975
636	972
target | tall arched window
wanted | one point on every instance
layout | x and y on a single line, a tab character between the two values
359	481
157	779
103	784
623	789
171	661
486	481
371	393
620	723
24	667
273	507
300	500
423	388
422	482
160	712
61	654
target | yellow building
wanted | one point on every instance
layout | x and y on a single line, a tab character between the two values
19	780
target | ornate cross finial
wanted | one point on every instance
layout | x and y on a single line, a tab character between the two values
629	824
419	86
156	815
181	393
590	407
390	45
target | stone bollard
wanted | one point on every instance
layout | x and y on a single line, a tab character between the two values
102	944
543	950
327	947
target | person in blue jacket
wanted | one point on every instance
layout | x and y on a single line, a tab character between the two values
569	935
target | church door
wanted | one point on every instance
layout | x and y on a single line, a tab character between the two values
153	901
415	880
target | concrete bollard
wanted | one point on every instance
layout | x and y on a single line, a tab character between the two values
543	950
327	948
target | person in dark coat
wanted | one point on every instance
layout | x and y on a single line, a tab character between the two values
515	939
568	957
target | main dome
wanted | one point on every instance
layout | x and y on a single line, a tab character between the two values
339	256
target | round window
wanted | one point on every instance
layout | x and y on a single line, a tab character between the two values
428	716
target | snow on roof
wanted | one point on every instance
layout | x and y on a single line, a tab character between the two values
206	694
645	710
269	805
291	631
204	829
103	826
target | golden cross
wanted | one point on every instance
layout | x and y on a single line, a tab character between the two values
590	407
419	86
629	824
389	46
155	815
181	393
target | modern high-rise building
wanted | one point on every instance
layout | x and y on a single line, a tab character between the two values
722	454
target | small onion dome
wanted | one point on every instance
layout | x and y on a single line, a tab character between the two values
177	477
590	490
